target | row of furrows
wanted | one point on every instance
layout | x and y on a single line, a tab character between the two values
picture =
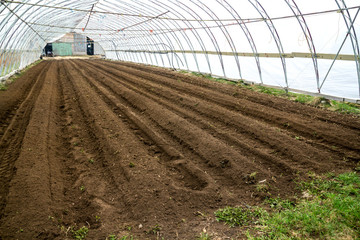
205	121
266	101
309	127
84	119
275	141
149	133
136	97
11	141
88	158
9	104
33	183
263	99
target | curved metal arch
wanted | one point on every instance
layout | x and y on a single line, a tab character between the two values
129	8
148	37
22	27
177	38
32	17
274	33
144	29
225	32
6	55
161	23
352	33
16	19
208	32
170	46
304	27
144	41
9	56
247	33
27	31
150	24
42	15
196	35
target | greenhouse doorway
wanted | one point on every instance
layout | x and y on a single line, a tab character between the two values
90	46
48	50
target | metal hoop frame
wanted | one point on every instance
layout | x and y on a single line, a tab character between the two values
177	33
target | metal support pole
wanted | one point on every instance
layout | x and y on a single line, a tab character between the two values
304	27
275	35
343	43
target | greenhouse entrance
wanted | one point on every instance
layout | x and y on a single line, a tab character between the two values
71	44
48	50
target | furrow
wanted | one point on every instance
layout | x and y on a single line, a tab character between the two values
113	86
214	127
11	141
308	128
272	137
194	178
263	99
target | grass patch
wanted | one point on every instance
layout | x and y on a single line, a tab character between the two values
341	107
302	98
237	216
330	210
345	107
267	90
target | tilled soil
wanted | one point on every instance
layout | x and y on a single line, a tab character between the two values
124	149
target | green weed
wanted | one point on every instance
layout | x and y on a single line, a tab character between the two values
204	236
112	237
279	204
127	238
237	216
154	230
80	233
345	107
301	98
3	87
270	91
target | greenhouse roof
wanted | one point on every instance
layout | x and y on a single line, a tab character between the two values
305	45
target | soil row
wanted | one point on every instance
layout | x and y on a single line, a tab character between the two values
122	148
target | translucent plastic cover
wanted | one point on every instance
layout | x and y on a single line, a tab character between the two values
306	45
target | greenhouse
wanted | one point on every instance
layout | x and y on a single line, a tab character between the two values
239	40
145	119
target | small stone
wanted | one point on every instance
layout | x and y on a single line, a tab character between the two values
140	226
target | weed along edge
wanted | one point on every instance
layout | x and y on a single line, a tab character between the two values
328	208
96	149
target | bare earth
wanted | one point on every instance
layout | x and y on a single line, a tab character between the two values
122	148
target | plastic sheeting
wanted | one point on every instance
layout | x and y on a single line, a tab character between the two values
287	43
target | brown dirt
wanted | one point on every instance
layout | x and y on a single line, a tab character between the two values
113	146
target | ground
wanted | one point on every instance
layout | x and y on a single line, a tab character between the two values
128	149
